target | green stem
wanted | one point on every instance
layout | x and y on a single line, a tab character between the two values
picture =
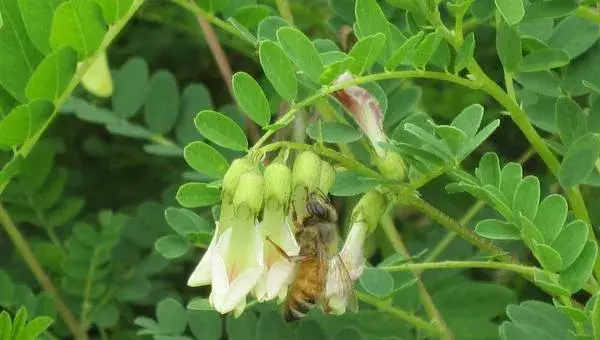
588	14
288	116
111	34
523	270
31	260
410	318
394	237
284	9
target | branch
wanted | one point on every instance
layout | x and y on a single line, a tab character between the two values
523	270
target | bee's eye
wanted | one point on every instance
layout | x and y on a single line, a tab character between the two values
317	209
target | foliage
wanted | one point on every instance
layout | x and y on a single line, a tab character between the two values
476	124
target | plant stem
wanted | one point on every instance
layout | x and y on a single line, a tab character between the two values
588	13
524	270
394	237
411	319
111	34
30	259
284	9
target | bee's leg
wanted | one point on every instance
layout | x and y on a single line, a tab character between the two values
290	258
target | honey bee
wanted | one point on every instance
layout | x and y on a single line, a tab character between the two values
319	265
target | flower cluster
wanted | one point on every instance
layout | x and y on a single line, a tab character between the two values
257	204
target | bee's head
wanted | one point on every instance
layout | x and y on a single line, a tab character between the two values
320	207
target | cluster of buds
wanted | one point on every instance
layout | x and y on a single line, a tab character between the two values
256	205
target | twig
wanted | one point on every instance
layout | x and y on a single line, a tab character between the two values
39	273
284	9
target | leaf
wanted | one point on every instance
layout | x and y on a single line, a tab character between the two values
529	232
467	299
536	320
311	330
23	122
331	132
465	53
251	98
171	316
574	277
67	28
205	159
570	242
194	99
425	50
131	88
508	45
53	74
267	28
246	34
37	17
113	10
453	137
562	36
479	138
272	327
19	55
551	216
580	160
279	70
365	53
98	78
205	324
497	230
469	120
542	82
570	120
405	53
34	328
172	246
249	16
545	59
186	222
106	315
527	197
595	316
243	327
194	195
221	130
540	10
488	171
162	104
512	10
549	258
377	282
301	51
349	183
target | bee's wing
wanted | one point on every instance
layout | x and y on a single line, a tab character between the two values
340	278
322	272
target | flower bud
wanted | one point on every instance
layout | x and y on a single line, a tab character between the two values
232	176
369	209
307	171
249	191
391	165
327	177
278	183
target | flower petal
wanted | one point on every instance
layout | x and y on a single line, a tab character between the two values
201	275
239	288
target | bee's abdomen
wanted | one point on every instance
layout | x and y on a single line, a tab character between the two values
303	292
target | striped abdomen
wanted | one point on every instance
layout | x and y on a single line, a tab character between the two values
306	288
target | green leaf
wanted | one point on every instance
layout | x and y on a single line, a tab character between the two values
23	122
570	242
161	108
279	71
194	99
311	330
171	316
371	20
570	120
377	282
508	45
542	82
131	86
574	277
129	130
221	130
425	50
348	183
465	53
53	74
527	197
551	216
512	10
562	36
172	246
205	159
114	10
205	324
249	16
194	195
19	56
453	137
243	31
272	327
68	28
331	132
549	258
488	171
536	320
37	17
545	59
478	139
301	51
365	53
530	232
580	160
35	328
497	230
595	316
469	120
251	98
243	327
405	53
106	315
549	9
267	28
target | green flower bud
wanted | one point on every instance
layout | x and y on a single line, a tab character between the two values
369	209
391	165
307	171
232	176
249	191
327	177
278	183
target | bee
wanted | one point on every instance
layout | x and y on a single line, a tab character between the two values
319	267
